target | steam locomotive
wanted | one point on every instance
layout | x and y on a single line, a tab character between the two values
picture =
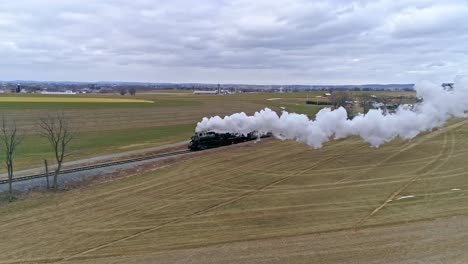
207	140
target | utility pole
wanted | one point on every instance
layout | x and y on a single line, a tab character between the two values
47	173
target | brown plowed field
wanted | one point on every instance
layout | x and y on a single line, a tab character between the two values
266	202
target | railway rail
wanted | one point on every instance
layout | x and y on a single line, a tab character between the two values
97	166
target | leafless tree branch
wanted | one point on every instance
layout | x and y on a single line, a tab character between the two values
59	133
9	139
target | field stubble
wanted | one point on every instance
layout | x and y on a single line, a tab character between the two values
267	202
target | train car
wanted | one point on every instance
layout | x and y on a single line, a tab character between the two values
207	140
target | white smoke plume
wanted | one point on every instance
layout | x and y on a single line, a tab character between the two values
375	127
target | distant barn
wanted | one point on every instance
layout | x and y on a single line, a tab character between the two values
66	92
205	92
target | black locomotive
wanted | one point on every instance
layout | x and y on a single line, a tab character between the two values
207	140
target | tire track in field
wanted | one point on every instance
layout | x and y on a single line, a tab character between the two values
152	183
335	188
173	189
409	146
406	147
286	159
429	198
362	183
398	191
155	227
412	145
360	168
308	166
110	196
133	189
450	155
185	217
207	179
199	212
242	187
307	187
177	220
415	178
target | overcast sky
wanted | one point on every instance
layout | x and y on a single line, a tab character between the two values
236	41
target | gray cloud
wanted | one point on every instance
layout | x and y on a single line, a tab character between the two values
240	41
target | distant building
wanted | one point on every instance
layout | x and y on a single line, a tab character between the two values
86	90
66	92
377	105
350	103
407	106
205	92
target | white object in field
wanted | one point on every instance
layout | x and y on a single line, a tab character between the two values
405	197
66	92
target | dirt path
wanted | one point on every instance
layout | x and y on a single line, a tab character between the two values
438	241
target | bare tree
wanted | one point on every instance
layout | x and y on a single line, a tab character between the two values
10	140
123	91
339	98
342	99
366	103
59	133
132	91
385	100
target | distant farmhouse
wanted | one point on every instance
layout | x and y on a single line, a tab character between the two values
218	90
205	92
66	92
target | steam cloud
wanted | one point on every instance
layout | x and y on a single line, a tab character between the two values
375	127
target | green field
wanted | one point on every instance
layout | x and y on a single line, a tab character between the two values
35	149
63	99
112	123
266	202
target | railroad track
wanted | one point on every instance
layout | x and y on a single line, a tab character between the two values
97	166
